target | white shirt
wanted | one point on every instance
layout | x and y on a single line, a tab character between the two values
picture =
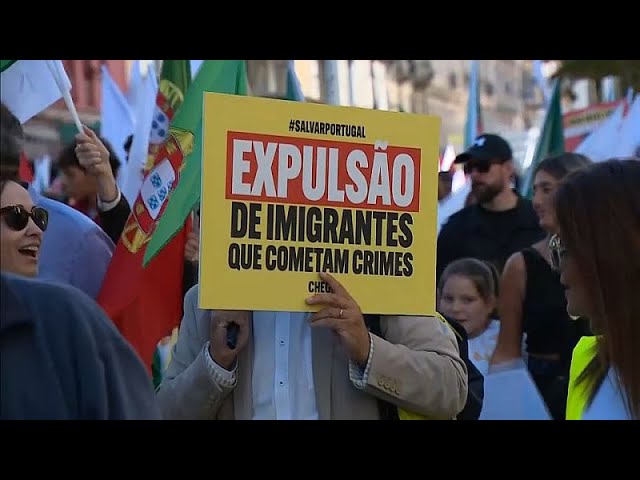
282	381
608	402
481	348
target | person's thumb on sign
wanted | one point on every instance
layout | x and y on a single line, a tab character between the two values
341	313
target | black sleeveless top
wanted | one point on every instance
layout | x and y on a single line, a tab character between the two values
545	320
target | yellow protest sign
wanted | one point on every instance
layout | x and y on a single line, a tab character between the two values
290	189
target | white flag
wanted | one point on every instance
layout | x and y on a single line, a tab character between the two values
600	144
448	158
454	202
116	122
512	395
195	67
135	84
27	87
143	114
628	139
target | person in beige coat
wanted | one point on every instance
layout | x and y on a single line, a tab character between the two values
322	365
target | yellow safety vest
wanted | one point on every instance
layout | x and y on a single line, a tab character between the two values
404	414
578	397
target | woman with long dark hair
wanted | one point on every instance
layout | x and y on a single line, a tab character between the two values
597	251
532	303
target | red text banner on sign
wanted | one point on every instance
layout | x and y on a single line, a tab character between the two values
279	169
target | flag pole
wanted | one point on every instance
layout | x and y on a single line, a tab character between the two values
66	94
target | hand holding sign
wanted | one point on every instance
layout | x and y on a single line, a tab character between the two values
342	315
306	188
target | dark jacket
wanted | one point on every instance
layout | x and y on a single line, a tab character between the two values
491	236
114	220
62	358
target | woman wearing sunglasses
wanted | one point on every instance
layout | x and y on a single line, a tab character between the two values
597	251
21	228
532	298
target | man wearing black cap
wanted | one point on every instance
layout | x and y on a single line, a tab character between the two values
501	222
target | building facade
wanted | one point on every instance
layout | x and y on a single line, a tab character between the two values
509	100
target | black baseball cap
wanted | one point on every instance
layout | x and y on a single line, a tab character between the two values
487	146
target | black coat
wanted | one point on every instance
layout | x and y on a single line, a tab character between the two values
490	236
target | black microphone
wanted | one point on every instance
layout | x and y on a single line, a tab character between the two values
232	335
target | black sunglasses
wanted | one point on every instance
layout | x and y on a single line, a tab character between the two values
481	165
557	252
17	217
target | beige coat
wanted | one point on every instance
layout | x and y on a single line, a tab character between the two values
416	366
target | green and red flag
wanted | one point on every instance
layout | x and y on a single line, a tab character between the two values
145	301
219	76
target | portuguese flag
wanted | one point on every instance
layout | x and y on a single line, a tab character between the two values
145	302
219	76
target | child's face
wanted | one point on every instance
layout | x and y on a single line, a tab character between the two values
461	301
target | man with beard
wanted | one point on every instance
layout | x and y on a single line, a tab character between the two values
500	222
